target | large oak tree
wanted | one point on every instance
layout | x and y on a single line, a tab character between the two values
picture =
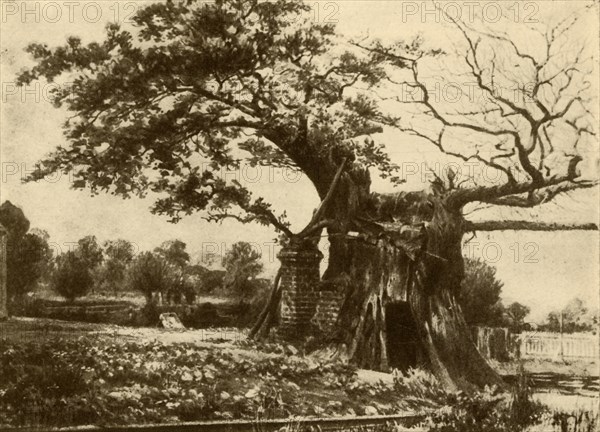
235	82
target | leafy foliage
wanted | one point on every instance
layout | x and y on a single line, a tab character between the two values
91	381
514	316
28	253
489	410
90	251
479	297
119	254
72	277
242	263
174	252
576	317
198	86
480	301
151	274
419	384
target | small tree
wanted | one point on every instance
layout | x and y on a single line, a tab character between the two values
90	251
151	274
119	254
241	263
72	277
479	296
514	316
174	252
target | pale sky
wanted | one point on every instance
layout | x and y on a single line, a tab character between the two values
541	270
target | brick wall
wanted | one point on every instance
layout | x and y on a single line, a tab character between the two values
304	305
327	310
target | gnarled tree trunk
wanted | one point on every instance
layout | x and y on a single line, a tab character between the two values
399	276
421	269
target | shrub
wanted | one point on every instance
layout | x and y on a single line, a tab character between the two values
202	316
41	387
419	384
576	421
150	315
488	411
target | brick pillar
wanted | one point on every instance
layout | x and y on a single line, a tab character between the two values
300	293
3	293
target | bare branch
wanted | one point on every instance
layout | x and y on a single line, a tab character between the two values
520	225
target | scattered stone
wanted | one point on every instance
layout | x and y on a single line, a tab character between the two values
170	320
187	377
224	395
371	410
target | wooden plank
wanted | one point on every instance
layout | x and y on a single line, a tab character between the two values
323	424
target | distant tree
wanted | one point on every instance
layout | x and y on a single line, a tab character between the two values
43	234
514	316
46	262
479	296
576	317
151	274
176	255
206	280
90	251
28	254
174	252
242	263
119	254
72	277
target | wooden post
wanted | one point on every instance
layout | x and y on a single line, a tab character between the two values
3	275
561	336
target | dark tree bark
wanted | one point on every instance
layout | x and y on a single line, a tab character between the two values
420	264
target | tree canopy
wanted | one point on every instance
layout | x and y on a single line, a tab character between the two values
90	251
151	274
174	252
28	253
72	277
197	86
119	254
241	263
480	294
214	82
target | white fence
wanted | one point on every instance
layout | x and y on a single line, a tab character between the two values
553	345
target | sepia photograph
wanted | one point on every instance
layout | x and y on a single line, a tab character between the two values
299	215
